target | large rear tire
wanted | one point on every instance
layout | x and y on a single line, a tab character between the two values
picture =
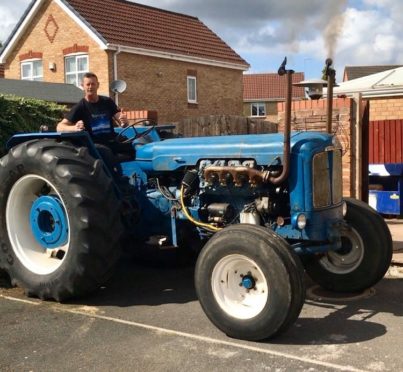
247	286
59	220
364	257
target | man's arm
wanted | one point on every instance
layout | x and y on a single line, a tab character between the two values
67	126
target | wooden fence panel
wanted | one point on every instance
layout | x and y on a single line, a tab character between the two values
386	141
219	125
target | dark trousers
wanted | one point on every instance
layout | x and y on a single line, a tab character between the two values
113	153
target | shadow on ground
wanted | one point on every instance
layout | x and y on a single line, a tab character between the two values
346	321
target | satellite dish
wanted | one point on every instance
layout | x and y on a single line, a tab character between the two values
118	86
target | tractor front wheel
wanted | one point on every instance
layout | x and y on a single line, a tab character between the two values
245	285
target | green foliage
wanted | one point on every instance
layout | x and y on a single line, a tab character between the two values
26	115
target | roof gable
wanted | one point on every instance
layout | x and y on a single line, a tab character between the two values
30	13
270	86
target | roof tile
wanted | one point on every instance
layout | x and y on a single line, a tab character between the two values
270	86
135	25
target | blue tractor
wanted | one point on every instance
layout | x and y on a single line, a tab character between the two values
259	210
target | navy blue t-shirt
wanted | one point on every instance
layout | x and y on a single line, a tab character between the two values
97	117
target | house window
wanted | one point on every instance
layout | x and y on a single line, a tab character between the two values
192	89
258	109
75	68
32	70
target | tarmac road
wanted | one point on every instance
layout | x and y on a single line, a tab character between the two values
148	319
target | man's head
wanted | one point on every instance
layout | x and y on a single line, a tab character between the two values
90	86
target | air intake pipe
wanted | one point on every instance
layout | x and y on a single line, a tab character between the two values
287	126
330	73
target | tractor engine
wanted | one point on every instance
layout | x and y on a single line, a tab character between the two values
234	191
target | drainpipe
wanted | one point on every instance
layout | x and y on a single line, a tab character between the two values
115	71
358	146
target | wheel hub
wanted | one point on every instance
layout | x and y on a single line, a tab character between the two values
248	282
239	286
48	222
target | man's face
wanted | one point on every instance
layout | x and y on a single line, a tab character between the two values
90	86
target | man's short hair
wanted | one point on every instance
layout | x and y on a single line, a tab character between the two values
90	75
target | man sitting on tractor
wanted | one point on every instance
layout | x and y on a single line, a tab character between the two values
97	114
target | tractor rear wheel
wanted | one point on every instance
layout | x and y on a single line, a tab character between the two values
59	219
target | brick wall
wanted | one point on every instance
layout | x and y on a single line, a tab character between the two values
386	108
311	115
161	85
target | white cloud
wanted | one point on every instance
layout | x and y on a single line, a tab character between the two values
10	13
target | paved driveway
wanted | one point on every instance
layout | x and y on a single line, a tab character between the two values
148	319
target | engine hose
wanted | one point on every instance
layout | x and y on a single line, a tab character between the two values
190	218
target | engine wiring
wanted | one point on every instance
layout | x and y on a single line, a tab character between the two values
190	218
165	191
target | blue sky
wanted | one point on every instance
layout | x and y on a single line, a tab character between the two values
352	32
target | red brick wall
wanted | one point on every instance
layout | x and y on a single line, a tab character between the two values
161	85
386	108
311	115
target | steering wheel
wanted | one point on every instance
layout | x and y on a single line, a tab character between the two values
137	134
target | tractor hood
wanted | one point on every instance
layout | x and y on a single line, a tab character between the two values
171	154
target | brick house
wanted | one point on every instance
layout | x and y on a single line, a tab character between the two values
172	63
262	92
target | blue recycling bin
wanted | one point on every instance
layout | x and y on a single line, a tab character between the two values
385	187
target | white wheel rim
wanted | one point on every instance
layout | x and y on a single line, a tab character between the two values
344	262
29	252
236	300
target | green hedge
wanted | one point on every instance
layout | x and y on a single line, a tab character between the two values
26	115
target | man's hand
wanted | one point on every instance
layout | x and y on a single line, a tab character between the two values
122	118
79	126
67	126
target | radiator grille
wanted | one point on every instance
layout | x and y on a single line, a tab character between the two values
327	178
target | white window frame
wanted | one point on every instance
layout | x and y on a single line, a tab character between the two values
77	72
258	106
31	76
192	92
